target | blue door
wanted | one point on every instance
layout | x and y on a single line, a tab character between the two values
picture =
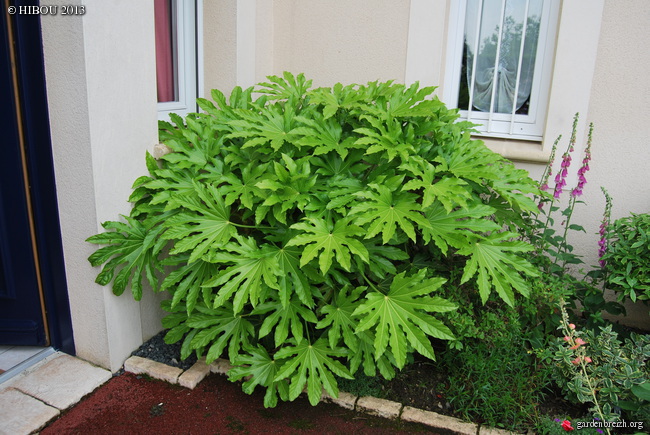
34	307
21	314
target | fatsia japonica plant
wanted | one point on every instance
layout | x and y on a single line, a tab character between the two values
297	232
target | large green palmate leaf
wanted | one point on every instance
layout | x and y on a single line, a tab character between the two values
383	259
253	272
286	87
171	184
457	228
411	101
331	238
313	365
292	278
284	318
260	369
243	188
272	126
339	97
450	191
384	212
364	355
400	317
290	188
337	317
494	259
218	328
134	248
391	139
185	282
204	226
195	146
322	135
515	186
470	160
342	325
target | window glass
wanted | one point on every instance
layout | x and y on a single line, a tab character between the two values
177	65
506	34
165	53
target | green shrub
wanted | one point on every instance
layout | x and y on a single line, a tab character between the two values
627	259
497	380
303	230
600	369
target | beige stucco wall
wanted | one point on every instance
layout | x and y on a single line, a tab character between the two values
219	45
618	109
328	40
102	102
331	41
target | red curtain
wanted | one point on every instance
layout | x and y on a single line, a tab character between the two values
164	52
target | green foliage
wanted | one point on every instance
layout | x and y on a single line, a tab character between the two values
497	380
553	254
627	260
600	369
301	230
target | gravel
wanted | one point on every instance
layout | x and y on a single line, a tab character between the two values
157	350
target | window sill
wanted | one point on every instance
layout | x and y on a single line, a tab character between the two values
517	150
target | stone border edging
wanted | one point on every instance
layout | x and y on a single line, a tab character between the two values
367	404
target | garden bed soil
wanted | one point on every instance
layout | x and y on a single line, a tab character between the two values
421	384
132	404
138	404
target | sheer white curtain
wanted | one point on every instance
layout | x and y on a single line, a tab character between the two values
501	38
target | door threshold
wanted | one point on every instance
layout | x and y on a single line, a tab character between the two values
19	368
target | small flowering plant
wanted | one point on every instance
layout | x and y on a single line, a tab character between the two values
603	231
553	253
626	256
598	368
545	238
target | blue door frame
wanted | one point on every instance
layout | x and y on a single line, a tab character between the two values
30	216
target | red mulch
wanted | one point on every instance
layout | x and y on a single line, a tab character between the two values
130	404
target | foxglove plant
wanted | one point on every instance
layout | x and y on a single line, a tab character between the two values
546	241
560	177
552	251
577	191
548	171
604	225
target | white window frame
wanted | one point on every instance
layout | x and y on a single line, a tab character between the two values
504	125
188	46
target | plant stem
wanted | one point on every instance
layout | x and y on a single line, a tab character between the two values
572	204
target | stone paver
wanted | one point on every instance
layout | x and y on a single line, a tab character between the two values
220	366
139	365
493	431
194	375
22	414
345	400
379	407
62	381
437	420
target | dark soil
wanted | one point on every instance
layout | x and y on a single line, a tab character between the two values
130	404
157	350
422	384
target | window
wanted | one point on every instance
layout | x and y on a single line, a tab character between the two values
500	56
176	56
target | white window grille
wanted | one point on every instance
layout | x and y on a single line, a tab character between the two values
500	61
